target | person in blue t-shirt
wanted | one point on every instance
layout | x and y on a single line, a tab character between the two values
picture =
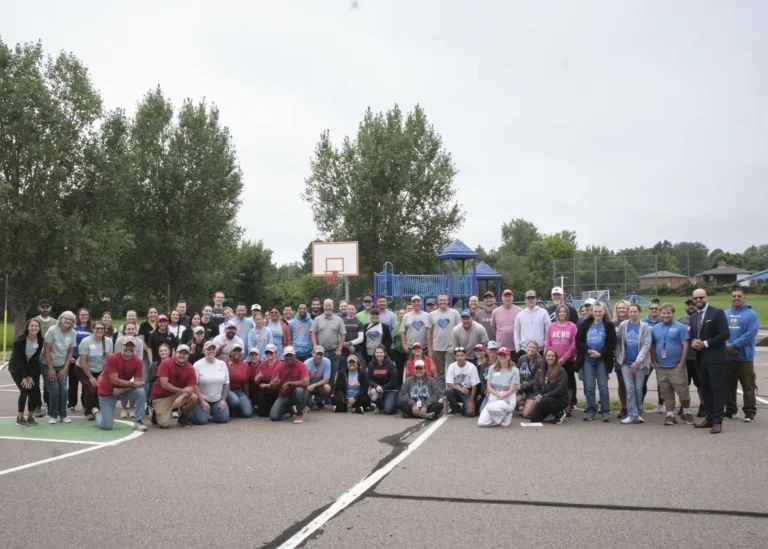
319	387
301	337
743	324
669	353
633	358
653	317
595	343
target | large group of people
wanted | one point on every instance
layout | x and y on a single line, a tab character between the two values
488	362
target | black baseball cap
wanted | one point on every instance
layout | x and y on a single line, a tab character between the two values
44	303
689	301
367	298
488	294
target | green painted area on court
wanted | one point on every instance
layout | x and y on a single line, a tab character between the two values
79	430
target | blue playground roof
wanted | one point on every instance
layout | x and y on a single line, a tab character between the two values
762	275
457	250
485	272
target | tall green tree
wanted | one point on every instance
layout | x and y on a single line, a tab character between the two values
254	272
518	235
756	257
691	257
390	187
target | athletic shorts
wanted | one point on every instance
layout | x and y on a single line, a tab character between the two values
672	381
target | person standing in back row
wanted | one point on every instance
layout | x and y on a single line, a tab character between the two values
444	320
217	312
484	316
417	326
743	325
46	321
709	333
503	320
329	332
557	300
531	325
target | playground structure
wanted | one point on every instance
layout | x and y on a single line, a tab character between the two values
458	285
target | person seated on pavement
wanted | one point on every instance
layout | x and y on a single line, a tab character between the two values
237	398
115	384
461	380
292	378
502	382
351	388
481	361
382	380
552	394
529	365
420	395
319	387
430	366
263	395
173	389
212	387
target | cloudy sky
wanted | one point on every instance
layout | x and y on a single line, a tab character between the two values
626	121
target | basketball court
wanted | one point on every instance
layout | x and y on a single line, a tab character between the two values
341	480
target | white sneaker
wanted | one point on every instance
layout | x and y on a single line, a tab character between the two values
124	413
175	414
662	409
506	421
66	420
52	420
640	419
627	421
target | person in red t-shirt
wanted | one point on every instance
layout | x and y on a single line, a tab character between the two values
263	395
174	388
417	350
237	397
292	377
115	384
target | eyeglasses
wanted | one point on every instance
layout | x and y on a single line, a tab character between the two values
699	297
654	308
530	298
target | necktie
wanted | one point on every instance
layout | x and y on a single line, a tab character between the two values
699	320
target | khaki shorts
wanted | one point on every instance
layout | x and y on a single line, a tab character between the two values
672	381
163	408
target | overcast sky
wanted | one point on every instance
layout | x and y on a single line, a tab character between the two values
625	121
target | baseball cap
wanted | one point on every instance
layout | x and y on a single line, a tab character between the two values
209	344
161	318
367	299
237	346
182	349
270	348
689	301
418	364
289	351
198	329
488	294
466	312
590	301
351	358
507	292
493	345
254	351
231	324
503	350
479	347
44	303
430	301
318	349
129	340
530	293
415	298
255	307
417	344
557	290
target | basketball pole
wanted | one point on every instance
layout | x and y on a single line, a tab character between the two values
346	288
5	320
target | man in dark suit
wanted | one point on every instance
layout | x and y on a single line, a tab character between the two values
709	332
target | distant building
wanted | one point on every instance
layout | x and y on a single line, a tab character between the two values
724	274
660	277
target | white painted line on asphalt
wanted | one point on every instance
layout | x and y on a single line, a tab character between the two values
348	497
757	398
9	385
52	440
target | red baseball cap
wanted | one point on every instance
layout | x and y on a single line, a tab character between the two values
479	347
503	350
162	317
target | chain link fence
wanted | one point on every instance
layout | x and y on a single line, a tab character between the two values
620	275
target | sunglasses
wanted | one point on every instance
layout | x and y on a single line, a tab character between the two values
530	298
269	353
654	308
702	297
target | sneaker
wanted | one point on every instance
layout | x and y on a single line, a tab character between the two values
749	419
184	421
174	414
38	412
311	405
31	421
94	411
606	419
89	417
66	420
124	413
680	411
21	421
688	419
429	415
662	409
629	421
568	413
52	420
132	412
358	410
671	420
559	418
72	408
730	415
589	417
449	412
153	419
623	414
701	413
320	406
640	419
298	419
139	426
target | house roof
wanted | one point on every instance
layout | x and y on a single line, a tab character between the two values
457	250
663	274
762	275
485	272
727	270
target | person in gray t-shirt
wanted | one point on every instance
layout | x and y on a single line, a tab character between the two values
328	331
417	325
469	333
483	316
444	320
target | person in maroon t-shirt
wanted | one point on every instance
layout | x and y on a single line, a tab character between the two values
174	388
292	377
115	384
237	397
263	395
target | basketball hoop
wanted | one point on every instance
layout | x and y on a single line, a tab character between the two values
330	277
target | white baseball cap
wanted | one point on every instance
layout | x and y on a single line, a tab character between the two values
289	351
255	307
415	298
590	301
557	290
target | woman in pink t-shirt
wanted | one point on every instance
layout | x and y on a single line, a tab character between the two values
561	338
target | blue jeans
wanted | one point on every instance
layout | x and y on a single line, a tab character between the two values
105	417
145	378
238	400
331	355
283	405
386	401
199	417
597	374
454	397
634	385
57	394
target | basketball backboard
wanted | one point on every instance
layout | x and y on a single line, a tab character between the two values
339	258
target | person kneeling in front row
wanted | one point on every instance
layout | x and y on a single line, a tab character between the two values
420	396
212	388
551	389
174	389
461	382
292	377
115	384
351	389
503	382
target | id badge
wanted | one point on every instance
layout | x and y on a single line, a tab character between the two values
663	354
418	404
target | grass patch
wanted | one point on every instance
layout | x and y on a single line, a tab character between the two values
759	303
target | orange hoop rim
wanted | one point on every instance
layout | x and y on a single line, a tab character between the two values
330	277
